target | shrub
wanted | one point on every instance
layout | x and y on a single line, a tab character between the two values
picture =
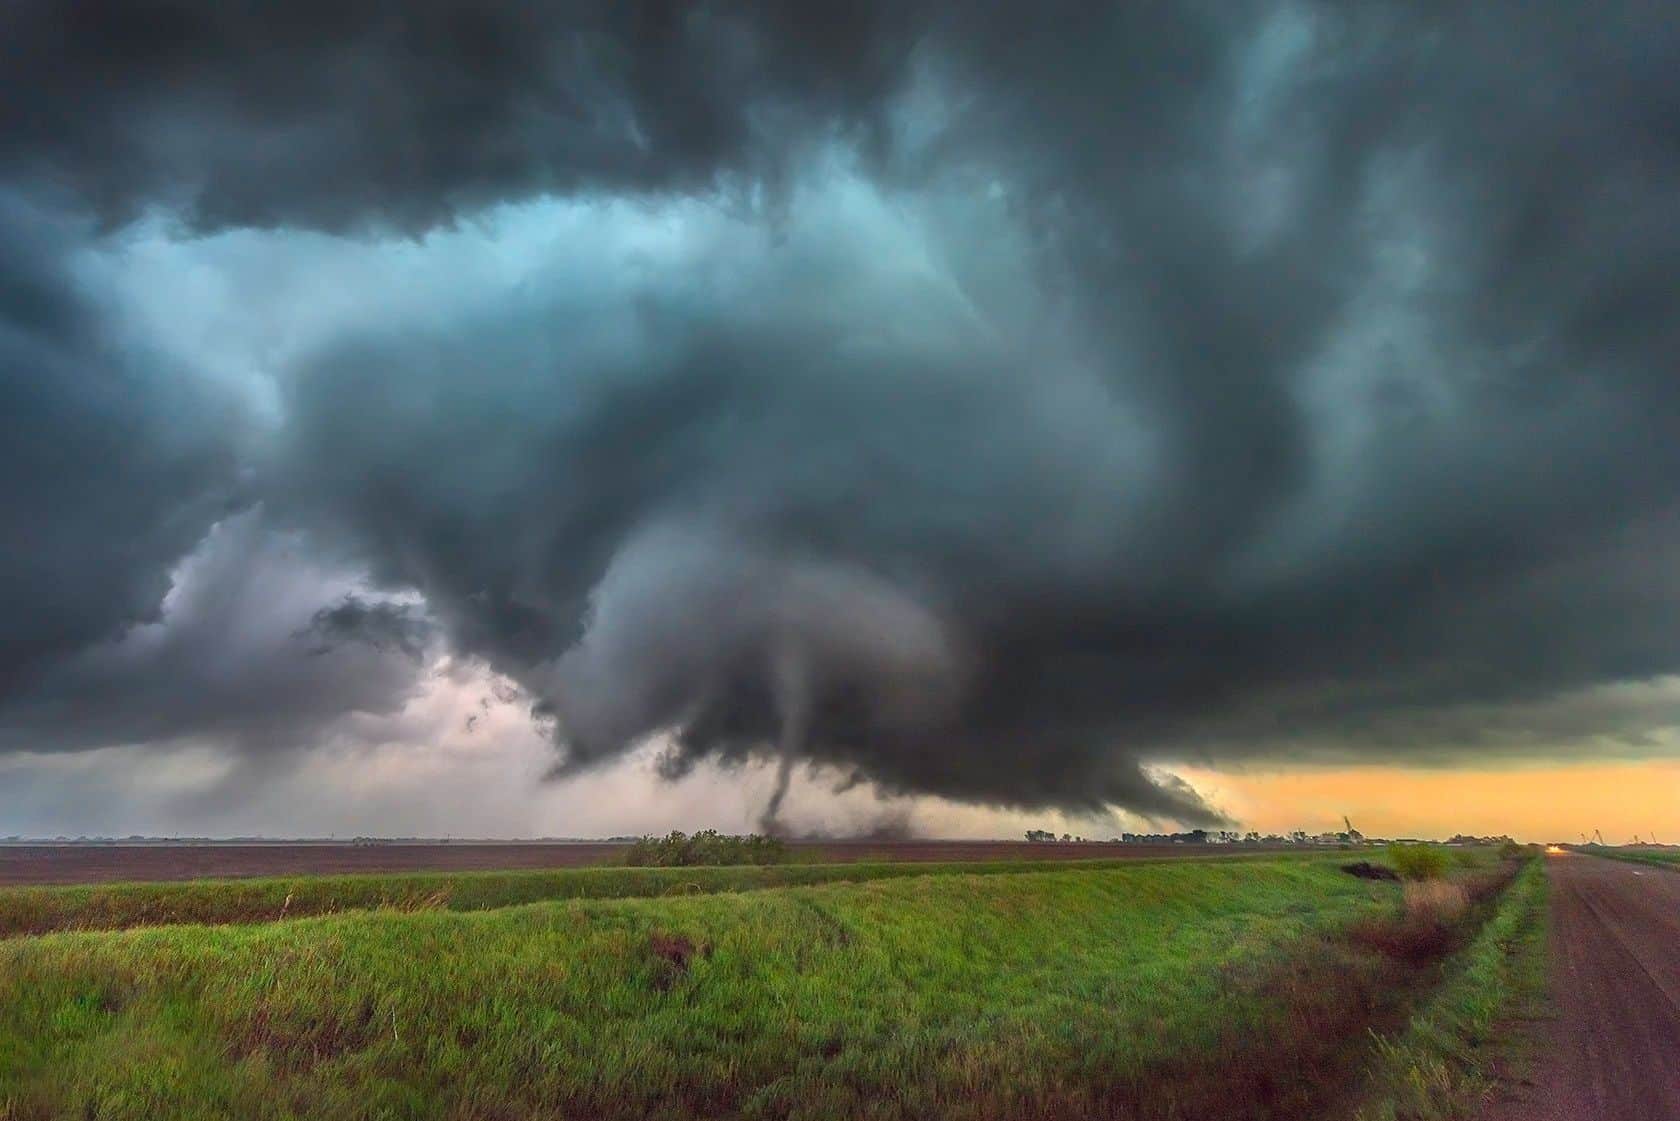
678	849
1418	862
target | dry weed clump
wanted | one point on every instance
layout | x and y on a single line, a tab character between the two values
1438	901
1427	926
1482	886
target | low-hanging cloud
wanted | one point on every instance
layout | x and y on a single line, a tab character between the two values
984	402
239	657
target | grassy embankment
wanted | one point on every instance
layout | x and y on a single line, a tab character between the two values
40	910
1661	858
1179	989
1442	1065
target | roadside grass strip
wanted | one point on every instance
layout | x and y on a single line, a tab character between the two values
1443	1064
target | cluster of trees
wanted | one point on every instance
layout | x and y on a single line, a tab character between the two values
678	849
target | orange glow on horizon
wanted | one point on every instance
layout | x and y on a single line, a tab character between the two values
1532	803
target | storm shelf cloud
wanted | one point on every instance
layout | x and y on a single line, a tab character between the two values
995	402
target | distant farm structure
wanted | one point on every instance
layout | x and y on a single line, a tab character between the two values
1347	836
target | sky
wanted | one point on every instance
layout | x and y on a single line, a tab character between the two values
593	418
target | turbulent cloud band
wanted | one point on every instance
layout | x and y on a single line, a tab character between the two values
980	401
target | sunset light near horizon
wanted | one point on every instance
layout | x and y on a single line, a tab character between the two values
1537	803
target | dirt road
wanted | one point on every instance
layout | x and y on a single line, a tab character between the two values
1613	1052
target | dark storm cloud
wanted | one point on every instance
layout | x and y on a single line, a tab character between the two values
111	468
141	600
1270	376
402	627
339	115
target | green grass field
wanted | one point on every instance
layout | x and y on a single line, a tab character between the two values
41	910
1661	858
1177	989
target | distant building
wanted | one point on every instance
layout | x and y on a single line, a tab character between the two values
1194	837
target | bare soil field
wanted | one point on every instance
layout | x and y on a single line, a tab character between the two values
1611	1052
92	863
98	863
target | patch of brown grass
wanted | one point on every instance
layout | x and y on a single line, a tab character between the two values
674	949
1433	917
1426	928
1295	1061
672	954
1436	901
1484	885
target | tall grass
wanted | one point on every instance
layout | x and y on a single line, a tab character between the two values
1151	990
1436	901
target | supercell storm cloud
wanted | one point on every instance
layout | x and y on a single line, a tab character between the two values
986	401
